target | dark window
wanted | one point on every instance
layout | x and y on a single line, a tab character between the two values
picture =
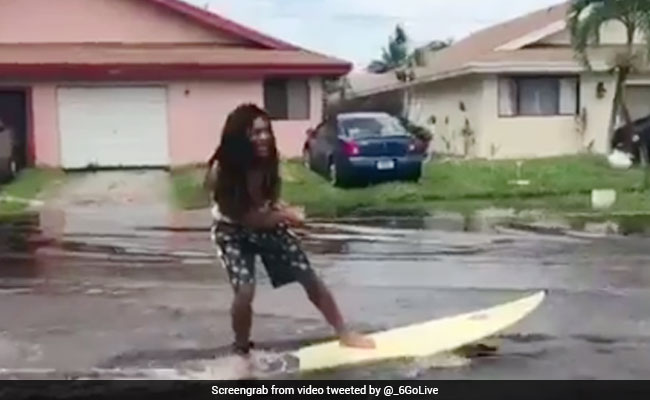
538	96
287	99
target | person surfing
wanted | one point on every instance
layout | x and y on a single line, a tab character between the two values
249	220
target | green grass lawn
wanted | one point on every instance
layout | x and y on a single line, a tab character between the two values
560	184
27	186
187	188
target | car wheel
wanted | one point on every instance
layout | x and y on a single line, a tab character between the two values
335	175
415	177
7	171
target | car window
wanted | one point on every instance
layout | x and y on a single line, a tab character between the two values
372	126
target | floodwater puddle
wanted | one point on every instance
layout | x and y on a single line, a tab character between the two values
182	241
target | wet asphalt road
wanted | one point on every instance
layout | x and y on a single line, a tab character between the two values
126	299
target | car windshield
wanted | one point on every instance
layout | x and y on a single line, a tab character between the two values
356	127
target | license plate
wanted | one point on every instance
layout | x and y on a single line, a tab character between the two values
385	164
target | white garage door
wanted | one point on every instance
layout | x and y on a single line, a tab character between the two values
113	127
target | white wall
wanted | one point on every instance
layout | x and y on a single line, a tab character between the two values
614	32
598	110
524	137
442	100
512	137
519	137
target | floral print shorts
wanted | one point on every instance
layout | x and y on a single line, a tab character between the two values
279	249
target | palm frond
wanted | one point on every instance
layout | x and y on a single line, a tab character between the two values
586	18
642	21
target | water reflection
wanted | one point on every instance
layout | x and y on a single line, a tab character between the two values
58	242
490	220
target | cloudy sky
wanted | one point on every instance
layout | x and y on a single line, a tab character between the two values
356	30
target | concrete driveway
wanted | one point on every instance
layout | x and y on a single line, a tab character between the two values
90	202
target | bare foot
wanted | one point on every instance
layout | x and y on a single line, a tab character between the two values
352	339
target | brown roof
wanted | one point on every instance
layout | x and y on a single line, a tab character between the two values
225	60
215	21
481	47
269	54
156	54
486	41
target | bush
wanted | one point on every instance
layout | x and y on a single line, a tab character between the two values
418	131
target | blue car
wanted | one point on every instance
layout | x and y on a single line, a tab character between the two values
360	148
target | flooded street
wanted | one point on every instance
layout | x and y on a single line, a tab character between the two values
109	294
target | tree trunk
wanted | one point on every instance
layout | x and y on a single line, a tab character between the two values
619	105
624	73
627	119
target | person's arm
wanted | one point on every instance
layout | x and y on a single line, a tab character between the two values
210	180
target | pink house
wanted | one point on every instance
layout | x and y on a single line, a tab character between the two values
125	83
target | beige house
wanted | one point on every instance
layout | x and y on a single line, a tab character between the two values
514	90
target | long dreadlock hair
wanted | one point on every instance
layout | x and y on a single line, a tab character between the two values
236	156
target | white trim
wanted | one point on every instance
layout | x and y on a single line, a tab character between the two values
638	82
505	67
526	67
400	85
535	67
28	202
534	37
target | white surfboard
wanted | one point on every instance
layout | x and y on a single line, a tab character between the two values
420	340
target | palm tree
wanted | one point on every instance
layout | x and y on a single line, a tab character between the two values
393	56
585	20
398	54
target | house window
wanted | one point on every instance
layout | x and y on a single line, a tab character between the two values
287	99
538	96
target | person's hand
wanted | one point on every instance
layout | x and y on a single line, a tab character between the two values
280	205
293	216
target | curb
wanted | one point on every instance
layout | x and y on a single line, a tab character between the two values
31	203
